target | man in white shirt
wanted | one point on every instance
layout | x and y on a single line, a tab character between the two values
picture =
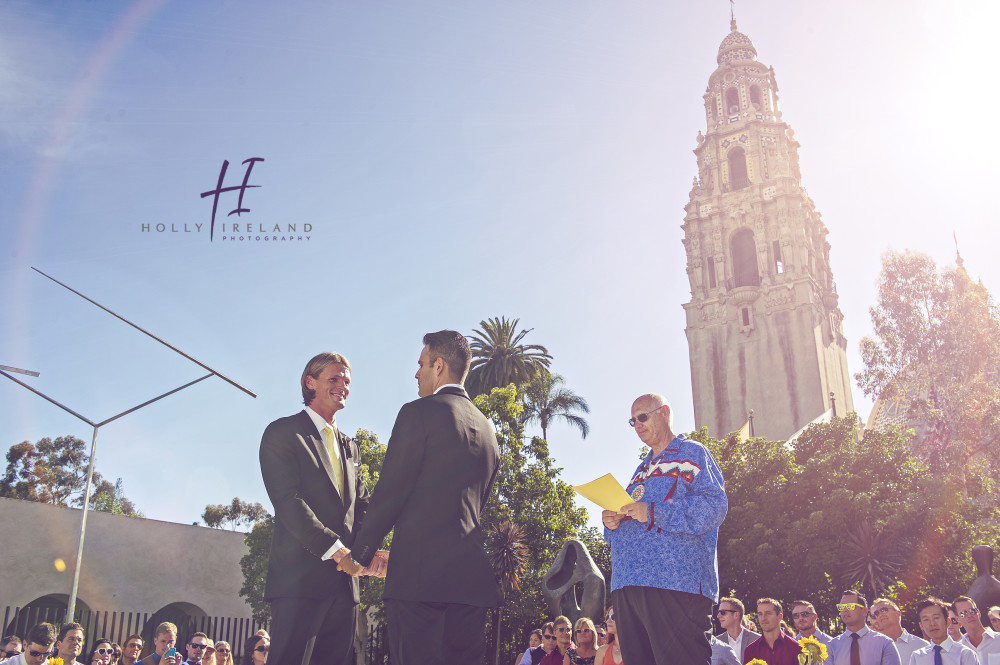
859	644
38	646
70	643
943	650
984	640
730	616
888	620
804	617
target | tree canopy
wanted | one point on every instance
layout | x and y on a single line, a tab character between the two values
499	357
55	471
236	514
936	348
546	398
833	512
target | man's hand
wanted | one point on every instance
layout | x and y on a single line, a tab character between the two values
611	519
340	554
348	564
378	565
637	511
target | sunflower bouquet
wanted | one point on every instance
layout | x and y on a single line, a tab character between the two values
813	651
757	661
54	661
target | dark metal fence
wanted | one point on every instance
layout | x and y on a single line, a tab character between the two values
376	647
117	626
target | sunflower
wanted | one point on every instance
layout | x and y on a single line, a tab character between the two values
813	648
757	661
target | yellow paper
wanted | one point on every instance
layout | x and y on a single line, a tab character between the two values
606	492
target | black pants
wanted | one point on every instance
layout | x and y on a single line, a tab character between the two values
663	627
432	633
313	631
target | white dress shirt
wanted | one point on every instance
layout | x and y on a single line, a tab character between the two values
988	649
907	644
736	643
952	653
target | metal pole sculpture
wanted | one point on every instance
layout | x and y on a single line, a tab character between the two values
71	607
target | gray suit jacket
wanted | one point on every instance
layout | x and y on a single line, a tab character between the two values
747	637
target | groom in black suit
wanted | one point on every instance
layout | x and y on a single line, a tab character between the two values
439	467
312	474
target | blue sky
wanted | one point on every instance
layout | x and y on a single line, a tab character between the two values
455	161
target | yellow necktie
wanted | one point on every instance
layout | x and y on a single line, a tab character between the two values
330	439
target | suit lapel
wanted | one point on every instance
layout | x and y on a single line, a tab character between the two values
322	454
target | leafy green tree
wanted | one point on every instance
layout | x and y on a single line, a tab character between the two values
545	399
936	347
238	513
55	471
499	357
253	564
108	498
528	493
832	512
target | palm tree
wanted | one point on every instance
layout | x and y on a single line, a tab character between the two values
508	556
546	399
499	358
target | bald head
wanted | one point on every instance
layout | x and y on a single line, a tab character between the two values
654	421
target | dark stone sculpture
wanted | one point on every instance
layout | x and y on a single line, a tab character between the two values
572	565
985	589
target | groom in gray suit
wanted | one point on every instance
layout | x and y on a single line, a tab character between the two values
312	475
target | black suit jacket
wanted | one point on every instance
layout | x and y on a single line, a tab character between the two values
309	513
439	467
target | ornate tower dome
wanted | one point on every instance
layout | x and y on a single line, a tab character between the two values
736	46
764	328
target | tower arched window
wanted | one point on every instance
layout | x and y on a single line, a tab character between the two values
744	251
755	97
732	100
738	176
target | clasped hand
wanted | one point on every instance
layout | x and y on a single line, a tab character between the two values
637	511
376	568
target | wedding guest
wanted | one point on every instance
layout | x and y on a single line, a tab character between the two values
534	655
256	650
11	646
101	653
132	649
223	653
586	644
564	640
38	646
611	652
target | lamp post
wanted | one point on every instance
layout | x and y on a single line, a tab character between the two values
71	606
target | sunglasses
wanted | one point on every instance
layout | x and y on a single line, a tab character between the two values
880	611
564	629
40	654
848	607
965	613
262	649
105	651
801	615
725	612
199	646
548	637
954	621
610	617
223	651
583	630
642	417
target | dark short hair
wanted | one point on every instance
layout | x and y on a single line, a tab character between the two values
43	634
453	349
931	601
861	599
11	638
134	636
559	620
772	602
964	599
536	631
805	603
548	626
67	627
736	602
315	367
198	634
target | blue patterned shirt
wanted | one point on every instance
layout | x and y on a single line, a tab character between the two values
676	548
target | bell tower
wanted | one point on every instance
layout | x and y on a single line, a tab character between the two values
763	326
